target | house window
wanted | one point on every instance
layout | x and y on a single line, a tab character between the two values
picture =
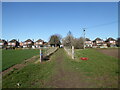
29	42
1	43
40	42
111	41
9	43
13	43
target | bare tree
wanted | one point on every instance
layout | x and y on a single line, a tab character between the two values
68	40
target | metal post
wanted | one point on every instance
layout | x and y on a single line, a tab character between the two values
40	56
84	39
72	52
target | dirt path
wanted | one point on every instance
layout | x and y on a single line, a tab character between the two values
19	66
65	77
110	52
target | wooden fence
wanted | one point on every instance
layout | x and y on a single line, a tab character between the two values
70	51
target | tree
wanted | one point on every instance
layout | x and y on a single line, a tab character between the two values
68	40
55	40
78	43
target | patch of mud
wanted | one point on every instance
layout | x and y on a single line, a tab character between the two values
110	52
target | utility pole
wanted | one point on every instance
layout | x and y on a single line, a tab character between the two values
84	38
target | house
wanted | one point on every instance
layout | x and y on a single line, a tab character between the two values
3	43
88	43
118	42
111	42
21	44
98	42
39	43
13	43
28	43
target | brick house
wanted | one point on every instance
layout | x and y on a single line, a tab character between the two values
98	42
13	43
39	43
111	42
88	43
21	44
28	43
3	43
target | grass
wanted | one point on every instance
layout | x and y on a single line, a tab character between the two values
32	76
12	57
102	69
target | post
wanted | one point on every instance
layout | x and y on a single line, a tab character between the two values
84	39
40	56
72	52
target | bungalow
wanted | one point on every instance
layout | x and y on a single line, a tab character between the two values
28	43
98	42
111	42
13	43
39	43
88	43
3	43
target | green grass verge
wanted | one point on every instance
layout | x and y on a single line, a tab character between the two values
102	69
31	76
12	57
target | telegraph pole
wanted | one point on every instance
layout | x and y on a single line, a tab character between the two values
84	38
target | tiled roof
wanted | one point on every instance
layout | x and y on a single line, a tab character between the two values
87	39
97	39
40	40
28	40
13	40
110	39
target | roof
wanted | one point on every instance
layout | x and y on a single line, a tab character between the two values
2	40
45	43
39	40
13	40
110	39
28	40
87	39
98	39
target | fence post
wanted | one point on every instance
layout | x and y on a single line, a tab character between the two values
40	56
72	52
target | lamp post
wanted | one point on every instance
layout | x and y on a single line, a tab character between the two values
84	38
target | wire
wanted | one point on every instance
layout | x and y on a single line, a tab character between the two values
100	25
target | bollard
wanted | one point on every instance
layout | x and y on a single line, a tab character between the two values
72	52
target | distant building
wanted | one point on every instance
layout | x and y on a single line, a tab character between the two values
28	43
39	43
13	43
46	44
88	43
3	43
21	44
111	42
98	42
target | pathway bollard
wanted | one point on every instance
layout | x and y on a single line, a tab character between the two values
40	55
72	52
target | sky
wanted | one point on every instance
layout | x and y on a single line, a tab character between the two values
40	20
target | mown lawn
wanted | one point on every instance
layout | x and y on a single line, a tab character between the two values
102	69
12	57
34	75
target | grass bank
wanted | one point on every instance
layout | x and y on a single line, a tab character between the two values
12	57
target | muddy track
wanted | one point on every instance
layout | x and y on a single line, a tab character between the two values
110	52
19	66
65	77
